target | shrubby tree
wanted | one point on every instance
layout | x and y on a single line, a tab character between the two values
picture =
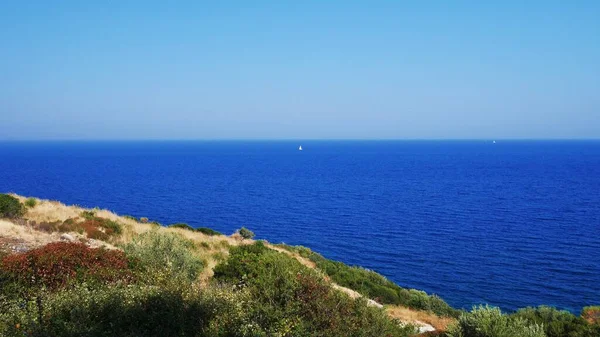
10	207
246	233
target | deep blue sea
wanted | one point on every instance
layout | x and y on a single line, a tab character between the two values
513	224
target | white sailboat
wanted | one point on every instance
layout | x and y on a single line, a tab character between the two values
300	148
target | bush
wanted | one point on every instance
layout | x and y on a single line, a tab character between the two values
246	233
591	314
183	226
490	322
55	265
10	207
130	217
160	257
208	231
100	228
376	286
293	300
30	202
88	214
108	311
557	323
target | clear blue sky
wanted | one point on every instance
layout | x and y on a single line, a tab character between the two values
299	69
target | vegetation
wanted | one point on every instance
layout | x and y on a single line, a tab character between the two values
376	286
94	227
291	299
108	311
155	284
58	264
203	230
591	314
139	292
208	231
88	214
491	322
164	257
30	202
183	226
557	323
246	233
10	207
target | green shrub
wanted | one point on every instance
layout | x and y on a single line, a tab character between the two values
10	207
291	299
163	256
112	226
491	322
182	225
30	202
203	230
208	231
246	233
109	311
376	286
558	323
130	217
88	214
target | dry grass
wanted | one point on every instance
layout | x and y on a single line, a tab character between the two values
208	246
410	315
29	237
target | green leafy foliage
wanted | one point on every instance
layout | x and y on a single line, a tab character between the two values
10	207
163	256
291	299
246	233
558	323
208	231
88	214
182	225
285	299
109	311
376	286
30	202
203	230
491	322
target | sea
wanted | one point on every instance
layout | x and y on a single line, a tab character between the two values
510	223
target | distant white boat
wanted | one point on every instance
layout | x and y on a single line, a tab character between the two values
494	142
300	148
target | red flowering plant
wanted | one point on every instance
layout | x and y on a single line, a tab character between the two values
58	264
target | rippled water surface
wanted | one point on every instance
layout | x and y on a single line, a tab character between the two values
515	223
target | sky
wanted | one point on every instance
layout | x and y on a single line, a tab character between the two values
299	69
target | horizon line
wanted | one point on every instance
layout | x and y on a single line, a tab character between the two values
287	139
